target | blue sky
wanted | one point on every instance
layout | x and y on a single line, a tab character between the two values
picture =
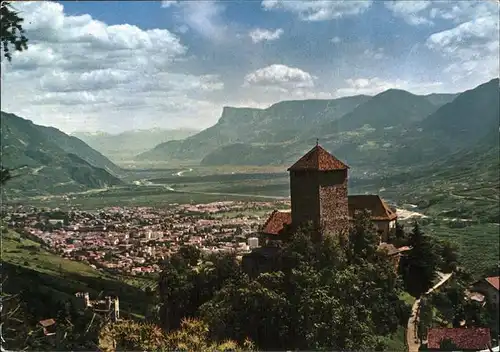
122	65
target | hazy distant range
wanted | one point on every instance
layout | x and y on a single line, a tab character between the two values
126	145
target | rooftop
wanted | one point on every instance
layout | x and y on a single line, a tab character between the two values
373	203
318	159
276	222
463	338
494	281
47	322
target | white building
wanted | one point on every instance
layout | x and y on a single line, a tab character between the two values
253	242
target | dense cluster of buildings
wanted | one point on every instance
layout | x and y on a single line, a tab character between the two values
135	240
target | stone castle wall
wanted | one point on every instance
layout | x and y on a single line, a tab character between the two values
334	207
304	191
320	197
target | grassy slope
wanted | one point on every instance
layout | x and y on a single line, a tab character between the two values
25	262
49	161
478	245
18	251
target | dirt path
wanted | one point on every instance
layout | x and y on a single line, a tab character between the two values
412	340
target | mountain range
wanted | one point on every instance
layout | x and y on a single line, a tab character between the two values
394	132
49	161
276	125
282	132
392	129
124	146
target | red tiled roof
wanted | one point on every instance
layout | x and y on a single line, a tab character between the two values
373	203
318	159
276	222
392	249
463	338
494	281
47	322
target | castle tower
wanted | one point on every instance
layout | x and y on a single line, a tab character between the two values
318	189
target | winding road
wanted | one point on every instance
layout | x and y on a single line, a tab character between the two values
180	173
412	340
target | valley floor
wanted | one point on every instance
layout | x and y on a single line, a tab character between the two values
457	215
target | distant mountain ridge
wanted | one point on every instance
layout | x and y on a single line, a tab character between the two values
49	161
241	134
281	123
392	107
394	128
125	145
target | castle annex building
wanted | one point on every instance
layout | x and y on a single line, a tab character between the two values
318	190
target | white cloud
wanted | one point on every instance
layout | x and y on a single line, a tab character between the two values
46	21
169	3
375	85
471	48
281	77
374	54
426	12
320	10
82	74
462	11
259	35
63	81
204	17
411	11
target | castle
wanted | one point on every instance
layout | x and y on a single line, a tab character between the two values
318	190
319	196
109	307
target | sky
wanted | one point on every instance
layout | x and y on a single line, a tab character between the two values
123	65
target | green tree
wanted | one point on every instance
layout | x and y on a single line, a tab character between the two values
192	336
174	286
318	298
184	288
108	256
447	345
363	240
425	315
16	324
400	237
12	32
448	256
476	315
190	253
419	266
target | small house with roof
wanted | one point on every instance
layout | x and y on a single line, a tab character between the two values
489	287
49	326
